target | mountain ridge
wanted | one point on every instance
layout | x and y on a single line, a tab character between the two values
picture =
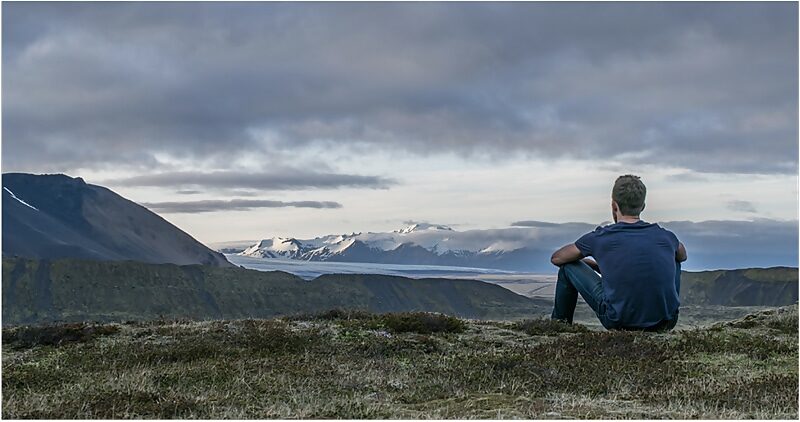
527	246
56	216
417	244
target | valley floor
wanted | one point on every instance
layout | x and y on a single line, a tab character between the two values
355	365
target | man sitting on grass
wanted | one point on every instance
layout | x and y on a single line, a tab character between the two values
639	263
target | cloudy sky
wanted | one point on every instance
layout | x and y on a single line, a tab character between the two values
248	120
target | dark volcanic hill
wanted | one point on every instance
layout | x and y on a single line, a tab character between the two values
775	286
40	291
57	216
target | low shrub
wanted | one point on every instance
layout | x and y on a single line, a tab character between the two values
547	327
397	322
333	314
780	319
55	335
421	323
756	345
270	336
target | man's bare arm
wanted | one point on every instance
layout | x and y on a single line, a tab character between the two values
565	255
680	254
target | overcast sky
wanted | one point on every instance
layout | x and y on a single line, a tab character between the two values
249	120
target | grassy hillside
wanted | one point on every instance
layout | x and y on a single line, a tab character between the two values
77	290
356	365
746	287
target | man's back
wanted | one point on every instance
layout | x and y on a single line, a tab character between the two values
637	261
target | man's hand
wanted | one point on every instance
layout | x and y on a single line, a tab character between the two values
565	255
592	263
680	254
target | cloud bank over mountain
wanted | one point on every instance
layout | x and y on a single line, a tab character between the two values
478	112
286	179
232	205
708	87
527	245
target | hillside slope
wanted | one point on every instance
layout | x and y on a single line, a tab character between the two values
56	216
411	366
36	291
775	286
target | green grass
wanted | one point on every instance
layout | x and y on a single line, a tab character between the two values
346	364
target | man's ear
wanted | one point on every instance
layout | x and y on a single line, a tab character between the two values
614	206
642	207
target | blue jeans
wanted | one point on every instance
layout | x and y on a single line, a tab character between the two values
578	277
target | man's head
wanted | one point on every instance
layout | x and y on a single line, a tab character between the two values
627	197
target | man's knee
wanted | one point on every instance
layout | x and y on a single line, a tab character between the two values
576	268
572	265
569	270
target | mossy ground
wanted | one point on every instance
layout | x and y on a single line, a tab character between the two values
355	365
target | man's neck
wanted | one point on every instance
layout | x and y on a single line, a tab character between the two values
627	219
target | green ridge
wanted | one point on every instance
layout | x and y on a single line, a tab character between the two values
78	290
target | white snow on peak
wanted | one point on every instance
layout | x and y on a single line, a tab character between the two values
21	201
438	239
422	226
340	246
341	238
284	244
502	246
276	246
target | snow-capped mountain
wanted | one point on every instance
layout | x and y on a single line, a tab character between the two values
416	244
277	247
55	216
416	227
524	246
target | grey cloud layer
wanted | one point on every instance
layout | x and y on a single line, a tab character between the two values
533	223
708	87
232	205
286	179
741	206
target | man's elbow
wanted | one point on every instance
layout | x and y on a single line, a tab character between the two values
555	260
682	255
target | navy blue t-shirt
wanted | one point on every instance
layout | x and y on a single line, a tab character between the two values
637	262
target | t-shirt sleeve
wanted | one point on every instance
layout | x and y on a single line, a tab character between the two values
586	243
673	239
